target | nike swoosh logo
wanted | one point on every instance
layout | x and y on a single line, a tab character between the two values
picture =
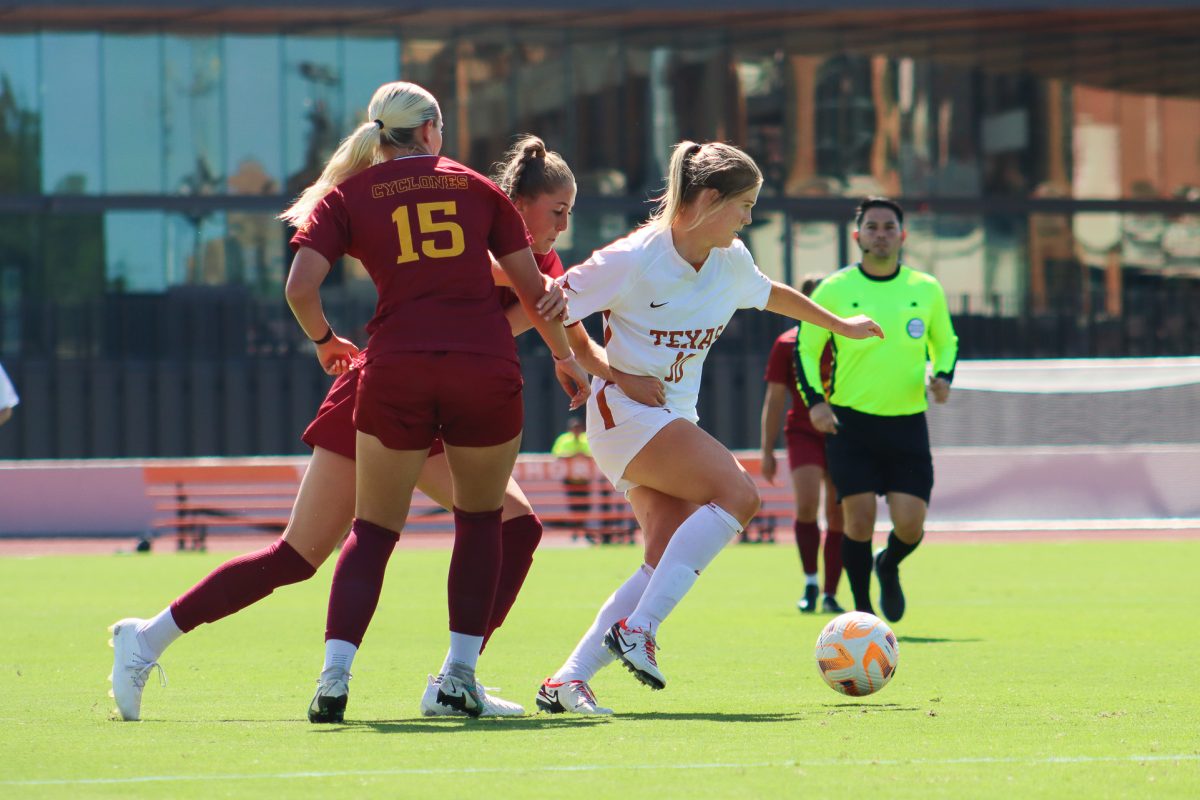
657	305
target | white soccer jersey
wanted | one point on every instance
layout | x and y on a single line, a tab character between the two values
8	395
661	315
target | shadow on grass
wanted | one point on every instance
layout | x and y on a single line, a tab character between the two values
455	724
865	707
713	716
543	721
932	640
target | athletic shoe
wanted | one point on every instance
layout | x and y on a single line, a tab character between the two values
830	605
635	647
808	603
569	697
130	668
333	690
459	690
492	706
891	596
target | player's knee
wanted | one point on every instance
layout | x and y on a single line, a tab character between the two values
743	499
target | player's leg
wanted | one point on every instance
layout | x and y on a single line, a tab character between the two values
908	528
658	515
320	517
859	513
385	479
909	483
806	491
684	462
854	468
480	476
521	531
834	536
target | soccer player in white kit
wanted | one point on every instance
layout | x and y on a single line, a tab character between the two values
667	292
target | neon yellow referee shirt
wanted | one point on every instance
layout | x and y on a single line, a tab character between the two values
885	377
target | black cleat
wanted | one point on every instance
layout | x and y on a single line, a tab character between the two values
459	690
830	605
808	603
327	709
891	596
329	703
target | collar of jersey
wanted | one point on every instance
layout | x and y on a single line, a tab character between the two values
679	261
414	155
879	278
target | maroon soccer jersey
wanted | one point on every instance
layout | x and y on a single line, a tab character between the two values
781	368
549	263
423	226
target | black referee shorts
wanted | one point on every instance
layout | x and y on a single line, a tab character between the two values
878	454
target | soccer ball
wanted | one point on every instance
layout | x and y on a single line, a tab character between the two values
857	654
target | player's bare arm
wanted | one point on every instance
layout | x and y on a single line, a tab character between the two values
553	305
303	292
643	389
823	419
774	405
791	303
527	282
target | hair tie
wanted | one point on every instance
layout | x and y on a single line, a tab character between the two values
379	122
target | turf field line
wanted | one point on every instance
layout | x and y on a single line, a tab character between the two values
366	773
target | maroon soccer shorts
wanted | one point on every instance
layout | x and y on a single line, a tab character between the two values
407	399
333	427
805	448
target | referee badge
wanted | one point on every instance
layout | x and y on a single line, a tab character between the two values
915	327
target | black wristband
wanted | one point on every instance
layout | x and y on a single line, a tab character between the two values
328	335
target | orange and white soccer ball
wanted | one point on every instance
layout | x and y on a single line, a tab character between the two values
857	654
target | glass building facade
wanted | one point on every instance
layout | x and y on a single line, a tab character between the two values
1051	174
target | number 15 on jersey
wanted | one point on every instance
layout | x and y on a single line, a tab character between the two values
437	237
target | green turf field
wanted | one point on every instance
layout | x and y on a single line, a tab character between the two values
1026	670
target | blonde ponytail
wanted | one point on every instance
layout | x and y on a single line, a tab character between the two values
356	152
396	110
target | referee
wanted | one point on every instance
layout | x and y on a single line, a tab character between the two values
877	441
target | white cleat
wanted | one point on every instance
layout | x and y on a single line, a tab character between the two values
130	668
492	706
636	647
569	697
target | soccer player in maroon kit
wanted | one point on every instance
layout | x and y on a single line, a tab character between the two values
423	226
806	461
543	189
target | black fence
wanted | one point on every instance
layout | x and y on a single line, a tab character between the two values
205	371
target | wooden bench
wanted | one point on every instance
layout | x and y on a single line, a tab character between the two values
193	499
190	499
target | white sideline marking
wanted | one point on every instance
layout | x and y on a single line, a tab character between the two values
877	762
1023	525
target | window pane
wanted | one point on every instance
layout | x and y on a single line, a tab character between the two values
196	249
814	249
541	88
255	255
134	250
312	83
369	63
253	128
70	70
19	115
192	76
133	118
765	238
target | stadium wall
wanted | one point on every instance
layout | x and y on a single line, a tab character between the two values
977	488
